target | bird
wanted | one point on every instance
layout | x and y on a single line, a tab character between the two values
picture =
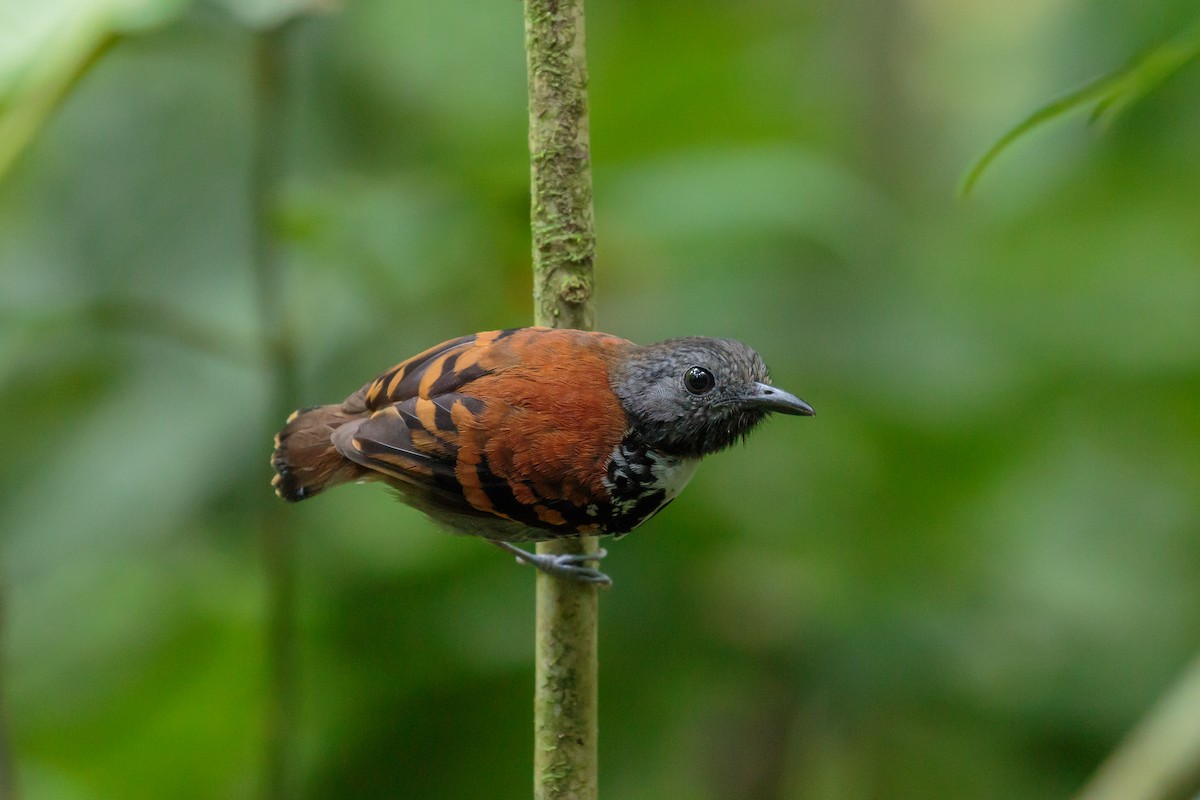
530	434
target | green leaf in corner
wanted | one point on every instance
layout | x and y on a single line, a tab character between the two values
1111	93
47	47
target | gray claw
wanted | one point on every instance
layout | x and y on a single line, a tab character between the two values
566	565
579	558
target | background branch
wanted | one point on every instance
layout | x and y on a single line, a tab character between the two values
278	548
8	780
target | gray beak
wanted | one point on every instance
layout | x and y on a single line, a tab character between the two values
769	398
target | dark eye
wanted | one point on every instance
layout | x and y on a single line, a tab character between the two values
698	380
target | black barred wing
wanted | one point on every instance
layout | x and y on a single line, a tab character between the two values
416	445
441	369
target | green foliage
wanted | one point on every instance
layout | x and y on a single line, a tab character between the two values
968	576
47	47
1108	95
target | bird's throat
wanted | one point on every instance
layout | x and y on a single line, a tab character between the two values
641	481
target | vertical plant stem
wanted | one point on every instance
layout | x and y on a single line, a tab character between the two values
564	241
278	548
564	246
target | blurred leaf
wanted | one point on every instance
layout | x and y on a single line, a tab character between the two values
126	315
1111	93
752	192
46	48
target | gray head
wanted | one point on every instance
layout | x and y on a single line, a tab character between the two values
694	396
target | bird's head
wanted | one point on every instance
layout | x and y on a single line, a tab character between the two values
694	396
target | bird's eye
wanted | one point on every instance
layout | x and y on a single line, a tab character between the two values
698	380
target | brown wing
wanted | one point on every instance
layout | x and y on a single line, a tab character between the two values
511	425
415	445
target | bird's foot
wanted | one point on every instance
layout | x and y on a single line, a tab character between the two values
568	566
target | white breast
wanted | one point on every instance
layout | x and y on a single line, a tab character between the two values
671	473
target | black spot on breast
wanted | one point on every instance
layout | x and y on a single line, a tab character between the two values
647	506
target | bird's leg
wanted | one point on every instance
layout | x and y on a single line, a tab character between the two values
568	566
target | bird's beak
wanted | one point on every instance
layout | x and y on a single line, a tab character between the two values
769	398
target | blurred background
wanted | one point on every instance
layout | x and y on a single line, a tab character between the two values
967	577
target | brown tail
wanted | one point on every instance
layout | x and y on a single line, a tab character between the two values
305	459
